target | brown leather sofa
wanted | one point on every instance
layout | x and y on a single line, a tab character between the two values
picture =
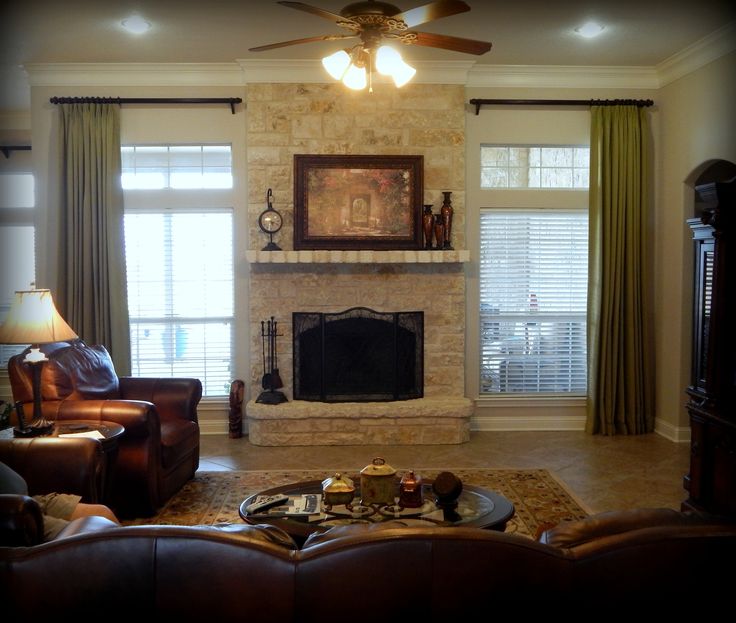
159	451
657	558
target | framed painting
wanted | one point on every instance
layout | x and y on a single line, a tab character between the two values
358	202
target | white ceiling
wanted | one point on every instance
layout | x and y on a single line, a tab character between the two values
639	33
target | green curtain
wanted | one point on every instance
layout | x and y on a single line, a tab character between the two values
92	285
619	349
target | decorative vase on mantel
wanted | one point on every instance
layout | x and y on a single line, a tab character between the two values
446	212
439	232
428	225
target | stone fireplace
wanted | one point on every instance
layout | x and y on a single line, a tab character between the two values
428	120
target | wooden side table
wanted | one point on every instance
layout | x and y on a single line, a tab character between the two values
107	433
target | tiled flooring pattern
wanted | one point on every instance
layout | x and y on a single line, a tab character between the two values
604	473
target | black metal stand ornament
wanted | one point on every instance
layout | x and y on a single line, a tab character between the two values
271	380
270	221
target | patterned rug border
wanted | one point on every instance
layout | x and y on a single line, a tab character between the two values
540	497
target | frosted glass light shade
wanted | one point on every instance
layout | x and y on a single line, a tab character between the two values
336	64
355	78
403	73
34	319
390	63
387	59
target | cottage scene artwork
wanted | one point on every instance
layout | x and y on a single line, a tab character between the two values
357	202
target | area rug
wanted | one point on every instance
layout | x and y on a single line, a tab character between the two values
539	498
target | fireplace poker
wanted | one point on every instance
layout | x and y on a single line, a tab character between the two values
276	382
266	379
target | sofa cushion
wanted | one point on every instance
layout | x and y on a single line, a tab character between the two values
80	372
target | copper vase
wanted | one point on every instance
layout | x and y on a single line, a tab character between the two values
446	213
439	232
428	225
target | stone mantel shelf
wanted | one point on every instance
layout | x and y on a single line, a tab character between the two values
358	257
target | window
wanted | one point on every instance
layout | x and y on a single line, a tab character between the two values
17	239
533	296
176	166
514	166
179	257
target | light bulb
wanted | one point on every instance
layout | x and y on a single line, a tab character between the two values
354	78
136	24
336	64
589	30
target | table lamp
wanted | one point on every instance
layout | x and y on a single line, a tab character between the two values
33	319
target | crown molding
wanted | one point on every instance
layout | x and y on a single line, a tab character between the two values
700	53
311	71
563	76
243	72
134	74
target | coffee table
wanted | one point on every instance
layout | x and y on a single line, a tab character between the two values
476	508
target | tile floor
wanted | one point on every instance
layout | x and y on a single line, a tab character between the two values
604	473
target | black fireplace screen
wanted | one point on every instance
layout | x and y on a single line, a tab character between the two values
359	355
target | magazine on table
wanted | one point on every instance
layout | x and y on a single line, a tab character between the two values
307	506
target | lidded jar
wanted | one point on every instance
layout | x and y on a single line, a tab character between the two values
378	483
338	490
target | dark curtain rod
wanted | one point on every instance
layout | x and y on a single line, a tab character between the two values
148	100
482	102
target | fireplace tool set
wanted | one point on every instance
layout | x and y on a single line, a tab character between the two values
271	380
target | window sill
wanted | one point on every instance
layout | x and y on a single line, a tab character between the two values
526	401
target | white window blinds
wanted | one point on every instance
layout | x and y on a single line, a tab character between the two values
179	256
533	289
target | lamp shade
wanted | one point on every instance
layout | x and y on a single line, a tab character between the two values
386	60
337	64
355	78
34	319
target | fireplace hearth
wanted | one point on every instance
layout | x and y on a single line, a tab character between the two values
358	355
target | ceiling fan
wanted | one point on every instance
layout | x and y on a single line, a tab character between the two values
377	23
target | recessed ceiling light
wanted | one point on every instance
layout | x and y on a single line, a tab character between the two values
590	30
136	24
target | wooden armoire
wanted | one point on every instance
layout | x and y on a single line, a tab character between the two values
711	482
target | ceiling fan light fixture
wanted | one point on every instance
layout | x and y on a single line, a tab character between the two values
337	64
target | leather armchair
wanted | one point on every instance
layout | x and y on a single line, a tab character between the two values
47	465
159	451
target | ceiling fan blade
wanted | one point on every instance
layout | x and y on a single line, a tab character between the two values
446	42
432	11
308	8
282	44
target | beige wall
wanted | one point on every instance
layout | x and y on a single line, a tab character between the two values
698	125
